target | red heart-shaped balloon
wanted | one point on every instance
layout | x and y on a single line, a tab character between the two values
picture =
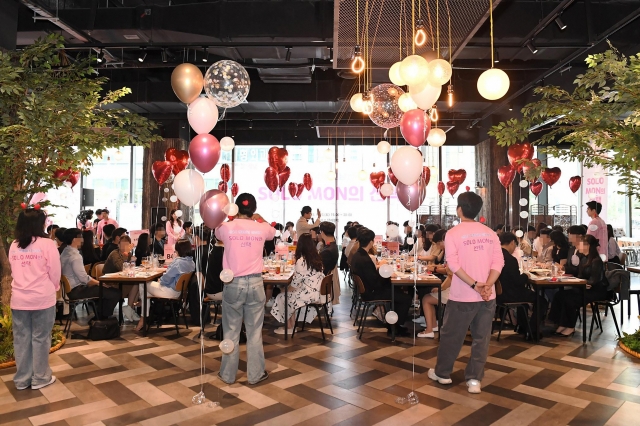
452	187
536	188
225	173
574	183
223	186
182	161
382	196
307	181
234	190
457	176
278	158
74	178
551	175
283	176
441	188
170	155
506	174
161	171
518	152
528	166
299	191
293	188
426	175
377	179
392	177
271	178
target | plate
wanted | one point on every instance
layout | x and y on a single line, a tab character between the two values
539	270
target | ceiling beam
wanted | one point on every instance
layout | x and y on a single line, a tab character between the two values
473	31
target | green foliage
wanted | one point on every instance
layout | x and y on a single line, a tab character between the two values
599	119
632	341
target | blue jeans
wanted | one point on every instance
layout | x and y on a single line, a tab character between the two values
243	298
31	344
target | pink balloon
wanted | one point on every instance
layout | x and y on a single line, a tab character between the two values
202	115
415	126
37	197
212	204
412	196
204	151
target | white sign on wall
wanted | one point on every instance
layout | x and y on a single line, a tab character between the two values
135	236
594	188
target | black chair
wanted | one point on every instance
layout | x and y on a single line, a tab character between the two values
322	307
510	307
73	303
366	305
180	303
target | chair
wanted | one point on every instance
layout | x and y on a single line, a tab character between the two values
326	290
366	304
608	304
206	304
96	270
87	268
509	307
73	303
183	287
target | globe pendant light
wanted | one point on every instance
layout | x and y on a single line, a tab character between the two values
493	83
414	69
356	102
394	75
362	175
437	137
439	72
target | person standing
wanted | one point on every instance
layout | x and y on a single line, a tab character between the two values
329	255
243	299
174	228
303	226
106	220
598	228
36	271
475	257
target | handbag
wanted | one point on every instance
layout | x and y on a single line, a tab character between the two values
105	329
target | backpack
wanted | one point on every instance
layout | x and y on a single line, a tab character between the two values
105	329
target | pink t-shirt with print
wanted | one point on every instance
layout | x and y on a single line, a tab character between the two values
474	248
243	241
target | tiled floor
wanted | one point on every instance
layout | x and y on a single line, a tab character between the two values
343	381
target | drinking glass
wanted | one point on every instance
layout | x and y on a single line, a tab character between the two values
126	266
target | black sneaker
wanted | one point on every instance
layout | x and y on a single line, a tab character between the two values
222	380
264	377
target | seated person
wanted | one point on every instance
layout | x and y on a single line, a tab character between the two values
560	248
82	285
429	296
351	232
166	286
546	251
305	286
375	286
329	252
564	309
115	263
188	232
90	254
576	234
142	249
514	284
158	231
435	253
58	233
108	241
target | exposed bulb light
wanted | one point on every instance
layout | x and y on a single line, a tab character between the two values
433	115
450	96
357	63
560	24
421	34
531	47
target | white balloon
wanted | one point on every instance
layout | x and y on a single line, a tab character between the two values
385	271
164	199
392	231
394	75
425	96
523	202
226	276
523	183
593	228
163	218
455	222
189	186
519	233
575	260
227	143
386	189
226	346
384	147
166	190
173	198
603	257
524	215
230	209
391	317
202	115
406	164
410	241
178	213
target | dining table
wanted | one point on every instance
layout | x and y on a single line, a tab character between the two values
281	280
140	276
422	280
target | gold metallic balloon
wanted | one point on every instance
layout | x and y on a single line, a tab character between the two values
187	82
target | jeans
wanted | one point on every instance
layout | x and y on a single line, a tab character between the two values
243	298
31	344
457	319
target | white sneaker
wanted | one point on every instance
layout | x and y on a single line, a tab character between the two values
35	387
432	375
378	314
420	320
127	313
427	335
271	302
280	330
473	386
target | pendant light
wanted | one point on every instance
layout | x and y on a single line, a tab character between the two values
493	83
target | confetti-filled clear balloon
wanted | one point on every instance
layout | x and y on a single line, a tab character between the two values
524	215
523	202
391	317
519	233
178	213
173	198
523	183
386	113
163	218
227	83
198	398
166	190
226	346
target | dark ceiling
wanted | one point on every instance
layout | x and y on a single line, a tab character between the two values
302	99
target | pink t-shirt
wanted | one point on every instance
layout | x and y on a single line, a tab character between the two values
243	241
601	234
475	248
36	275
101	225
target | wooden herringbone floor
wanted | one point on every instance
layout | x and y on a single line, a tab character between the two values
343	381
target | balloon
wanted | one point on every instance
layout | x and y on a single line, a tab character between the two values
227	143
283	176
225	173
506	174
74	178
406	163
467	188
189	187
386	189
536	188
411	196
223	186
457	176
293	188
386	271
452	187
187	82
574	183
170	155
377	179
441	188
271	178
383	147
226	346
384	197
231	209
181	161
415	126
173	198
37	198
234	190
61	174
426	175
226	276
202	115
386	112
519	151
205	152
425	96
391	317
392	177
161	171
299	191
551	175
278	158
393	231
527	166
308	182
227	83
212	206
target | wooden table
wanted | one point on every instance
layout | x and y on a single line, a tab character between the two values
140	278
541	284
633	269
421	281
281	280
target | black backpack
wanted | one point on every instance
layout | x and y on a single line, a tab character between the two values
105	329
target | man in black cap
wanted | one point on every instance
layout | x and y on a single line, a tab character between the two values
598	228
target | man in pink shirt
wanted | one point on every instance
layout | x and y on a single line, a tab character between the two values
244	297
104	215
474	256
598	228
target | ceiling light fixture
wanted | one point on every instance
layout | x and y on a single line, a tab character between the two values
496	57
100	56
510	107
421	34
450	96
163	55
560	24
532	47
357	63
205	58
287	58
143	55
250	124
331	54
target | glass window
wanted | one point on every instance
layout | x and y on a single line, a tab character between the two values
456	158
68	202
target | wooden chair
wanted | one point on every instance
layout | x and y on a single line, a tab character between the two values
73	303
326	290
183	287
96	270
87	268
366	304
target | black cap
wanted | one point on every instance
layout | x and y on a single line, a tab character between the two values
594	205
